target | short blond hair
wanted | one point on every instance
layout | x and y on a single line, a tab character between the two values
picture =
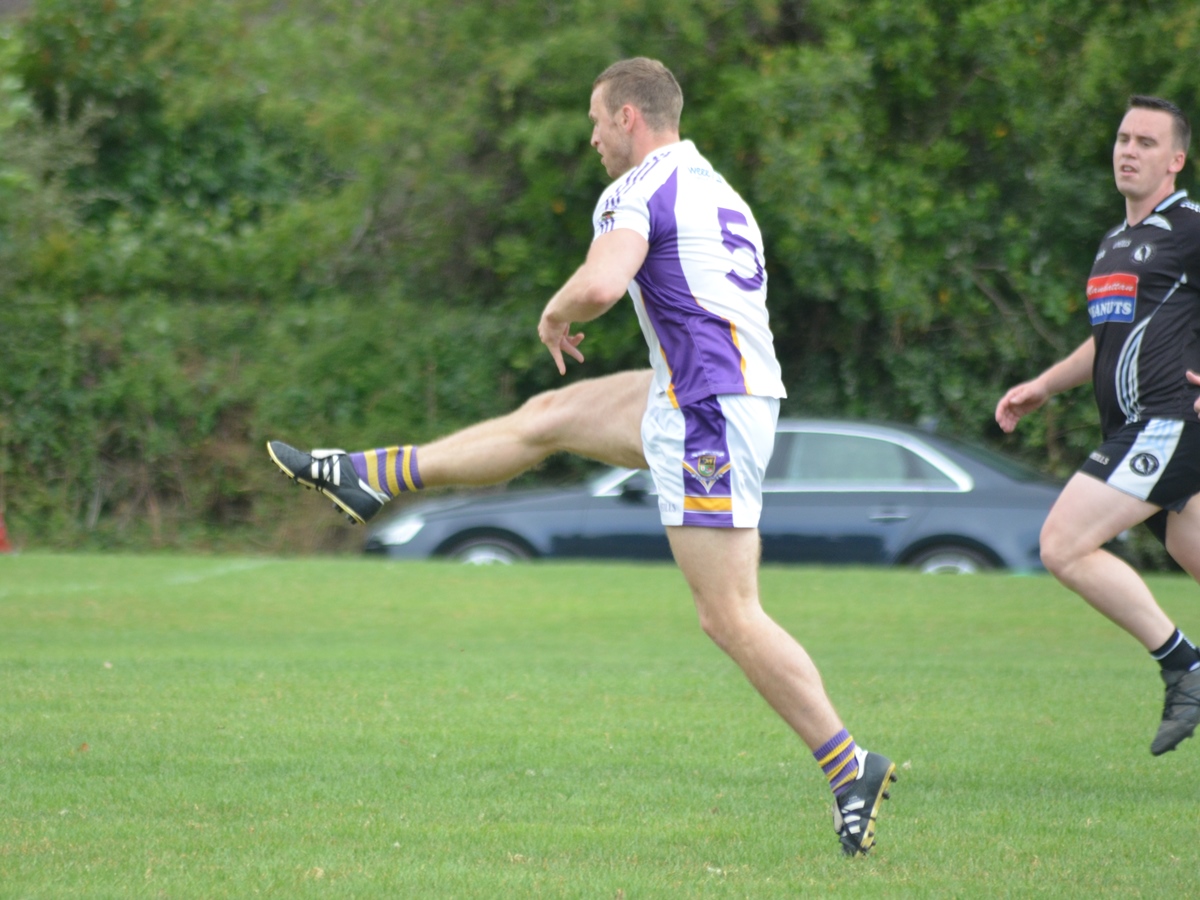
646	84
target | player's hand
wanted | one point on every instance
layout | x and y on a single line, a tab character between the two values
1194	379
1020	401
558	339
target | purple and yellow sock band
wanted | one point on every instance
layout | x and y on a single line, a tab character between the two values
837	760
391	470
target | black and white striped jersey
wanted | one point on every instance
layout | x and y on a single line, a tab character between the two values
1143	299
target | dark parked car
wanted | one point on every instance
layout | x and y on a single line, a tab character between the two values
835	492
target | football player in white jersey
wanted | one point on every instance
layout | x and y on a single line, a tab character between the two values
675	236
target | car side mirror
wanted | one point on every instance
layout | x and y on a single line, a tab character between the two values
635	488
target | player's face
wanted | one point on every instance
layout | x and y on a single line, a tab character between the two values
1145	157
609	137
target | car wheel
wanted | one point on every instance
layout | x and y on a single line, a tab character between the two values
487	551
950	561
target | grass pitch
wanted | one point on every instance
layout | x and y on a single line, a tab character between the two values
218	727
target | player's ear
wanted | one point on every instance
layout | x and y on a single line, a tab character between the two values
1177	161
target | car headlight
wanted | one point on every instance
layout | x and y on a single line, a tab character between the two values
401	531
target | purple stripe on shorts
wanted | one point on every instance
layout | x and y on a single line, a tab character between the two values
708	519
706	462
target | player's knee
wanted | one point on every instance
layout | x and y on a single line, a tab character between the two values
1050	561
1183	552
1056	552
1172	547
711	625
544	417
719	632
727	627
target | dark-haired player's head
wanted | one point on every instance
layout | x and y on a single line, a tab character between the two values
1180	126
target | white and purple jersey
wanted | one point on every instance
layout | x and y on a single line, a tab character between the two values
701	294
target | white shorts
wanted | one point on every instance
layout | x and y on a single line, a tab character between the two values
708	459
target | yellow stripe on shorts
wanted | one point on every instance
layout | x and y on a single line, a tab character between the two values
708	504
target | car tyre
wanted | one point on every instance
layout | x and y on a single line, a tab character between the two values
489	551
950	560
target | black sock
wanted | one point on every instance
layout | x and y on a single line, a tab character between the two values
1177	653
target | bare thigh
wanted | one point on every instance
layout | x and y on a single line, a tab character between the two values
1087	515
721	568
600	418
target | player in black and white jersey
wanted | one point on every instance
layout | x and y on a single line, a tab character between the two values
1145	311
1143	298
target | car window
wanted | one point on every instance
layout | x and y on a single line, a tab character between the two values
823	459
1014	469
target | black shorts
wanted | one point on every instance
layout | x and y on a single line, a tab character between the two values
1157	460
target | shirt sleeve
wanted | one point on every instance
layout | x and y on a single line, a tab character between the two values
622	206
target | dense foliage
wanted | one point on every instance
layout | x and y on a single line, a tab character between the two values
337	223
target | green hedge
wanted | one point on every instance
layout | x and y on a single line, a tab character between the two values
338	222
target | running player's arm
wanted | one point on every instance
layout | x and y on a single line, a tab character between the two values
612	261
1065	374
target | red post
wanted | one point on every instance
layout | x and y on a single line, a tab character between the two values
5	546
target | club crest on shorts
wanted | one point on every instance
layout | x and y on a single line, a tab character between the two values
706	470
1144	464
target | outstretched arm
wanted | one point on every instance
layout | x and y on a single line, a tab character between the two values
1065	374
593	290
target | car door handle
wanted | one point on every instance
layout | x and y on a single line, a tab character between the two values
889	514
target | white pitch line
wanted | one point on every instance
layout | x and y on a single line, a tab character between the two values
220	571
187	578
